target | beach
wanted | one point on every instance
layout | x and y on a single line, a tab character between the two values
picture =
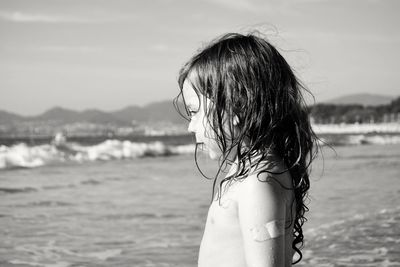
150	211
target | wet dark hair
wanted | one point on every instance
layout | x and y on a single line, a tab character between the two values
245	76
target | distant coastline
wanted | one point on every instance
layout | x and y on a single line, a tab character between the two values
181	136
160	119
358	128
35	151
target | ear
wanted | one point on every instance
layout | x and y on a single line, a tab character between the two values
235	120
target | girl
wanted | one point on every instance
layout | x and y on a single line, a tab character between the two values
246	110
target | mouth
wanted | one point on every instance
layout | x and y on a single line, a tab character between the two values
201	145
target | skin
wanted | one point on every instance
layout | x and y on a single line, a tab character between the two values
247	204
198	124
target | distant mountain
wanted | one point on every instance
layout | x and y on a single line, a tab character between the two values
361	99
154	112
160	111
9	118
129	113
101	117
57	114
61	115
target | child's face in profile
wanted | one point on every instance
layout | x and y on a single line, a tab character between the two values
199	124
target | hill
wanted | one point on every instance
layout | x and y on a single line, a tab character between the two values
9	118
355	113
155	112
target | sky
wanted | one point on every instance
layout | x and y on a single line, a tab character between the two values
103	54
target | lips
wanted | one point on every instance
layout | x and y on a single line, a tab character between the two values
201	145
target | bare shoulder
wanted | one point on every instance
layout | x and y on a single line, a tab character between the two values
266	194
265	184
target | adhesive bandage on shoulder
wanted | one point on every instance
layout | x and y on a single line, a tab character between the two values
269	230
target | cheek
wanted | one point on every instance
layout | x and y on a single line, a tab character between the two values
213	155
213	148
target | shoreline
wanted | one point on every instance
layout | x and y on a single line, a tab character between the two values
358	128
322	130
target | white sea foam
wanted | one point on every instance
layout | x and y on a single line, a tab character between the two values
356	128
183	149
21	155
353	218
382	139
104	255
49	254
359	139
24	156
58	264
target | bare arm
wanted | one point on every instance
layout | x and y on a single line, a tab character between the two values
261	209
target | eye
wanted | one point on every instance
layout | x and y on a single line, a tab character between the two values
191	113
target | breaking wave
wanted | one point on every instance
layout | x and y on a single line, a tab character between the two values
24	156
360	139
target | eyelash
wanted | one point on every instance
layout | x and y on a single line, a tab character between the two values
191	113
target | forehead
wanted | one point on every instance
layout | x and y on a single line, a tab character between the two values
189	94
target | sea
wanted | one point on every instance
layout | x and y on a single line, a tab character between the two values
144	203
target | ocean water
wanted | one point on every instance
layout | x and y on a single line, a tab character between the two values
151	211
354	217
16	153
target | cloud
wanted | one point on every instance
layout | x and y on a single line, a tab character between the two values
159	47
23	17
262	9
254	6
78	49
58	49
342	36
238	4
324	1
43	18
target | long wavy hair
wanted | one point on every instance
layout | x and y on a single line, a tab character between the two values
244	76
